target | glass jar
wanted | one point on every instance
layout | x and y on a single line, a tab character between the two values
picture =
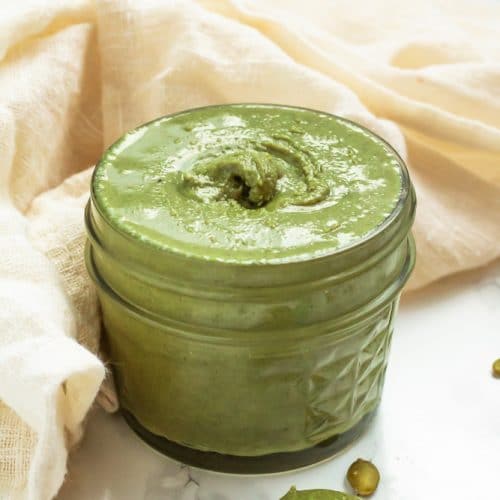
250	368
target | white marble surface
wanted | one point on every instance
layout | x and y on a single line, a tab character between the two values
437	434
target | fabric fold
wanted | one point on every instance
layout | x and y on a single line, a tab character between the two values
61	379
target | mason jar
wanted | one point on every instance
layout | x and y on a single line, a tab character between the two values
249	367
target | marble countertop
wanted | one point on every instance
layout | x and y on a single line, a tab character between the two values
436	435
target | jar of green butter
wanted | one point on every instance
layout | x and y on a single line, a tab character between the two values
249	259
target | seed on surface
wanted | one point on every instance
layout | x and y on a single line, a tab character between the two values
363	477
295	494
496	368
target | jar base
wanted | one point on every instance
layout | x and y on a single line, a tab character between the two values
263	464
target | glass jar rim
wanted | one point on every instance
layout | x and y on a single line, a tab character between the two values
337	327
406	191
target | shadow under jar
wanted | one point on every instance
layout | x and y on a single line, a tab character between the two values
249	260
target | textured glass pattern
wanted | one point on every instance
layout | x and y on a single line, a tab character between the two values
252	398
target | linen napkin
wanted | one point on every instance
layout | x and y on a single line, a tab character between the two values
76	74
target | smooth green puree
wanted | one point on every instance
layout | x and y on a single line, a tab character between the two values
226	330
248	183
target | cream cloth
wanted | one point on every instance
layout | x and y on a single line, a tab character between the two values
74	75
